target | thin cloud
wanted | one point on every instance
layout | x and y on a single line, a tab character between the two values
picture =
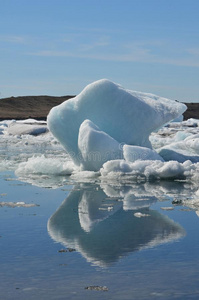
100	42
12	39
193	51
104	48
143	56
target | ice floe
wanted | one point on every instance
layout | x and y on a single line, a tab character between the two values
29	126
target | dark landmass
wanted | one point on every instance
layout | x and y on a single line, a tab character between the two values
38	107
192	111
35	107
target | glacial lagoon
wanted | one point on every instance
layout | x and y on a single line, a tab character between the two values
85	236
135	241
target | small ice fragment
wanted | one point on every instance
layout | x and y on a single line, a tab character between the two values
96	288
141	215
133	153
167	208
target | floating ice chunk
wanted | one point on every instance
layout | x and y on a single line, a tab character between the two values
31	121
43	165
147	170
128	117
96	147
188	149
2	128
118	165
191	122
182	135
17	204
20	128
133	153
192	142
141	215
181	156
171	169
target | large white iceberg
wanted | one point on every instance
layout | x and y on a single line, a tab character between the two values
117	117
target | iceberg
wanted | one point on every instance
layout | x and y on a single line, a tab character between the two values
104	117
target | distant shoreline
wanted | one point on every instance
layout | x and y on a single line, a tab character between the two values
38	107
25	107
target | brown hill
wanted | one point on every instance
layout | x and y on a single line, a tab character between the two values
192	111
38	107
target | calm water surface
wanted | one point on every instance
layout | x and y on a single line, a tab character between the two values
140	241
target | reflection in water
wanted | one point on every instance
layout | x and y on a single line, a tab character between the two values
102	225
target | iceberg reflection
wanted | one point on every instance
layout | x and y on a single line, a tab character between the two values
102	230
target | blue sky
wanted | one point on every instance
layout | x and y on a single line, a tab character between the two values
57	47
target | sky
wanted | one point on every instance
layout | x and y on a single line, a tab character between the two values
57	47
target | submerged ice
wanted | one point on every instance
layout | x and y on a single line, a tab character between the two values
94	126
